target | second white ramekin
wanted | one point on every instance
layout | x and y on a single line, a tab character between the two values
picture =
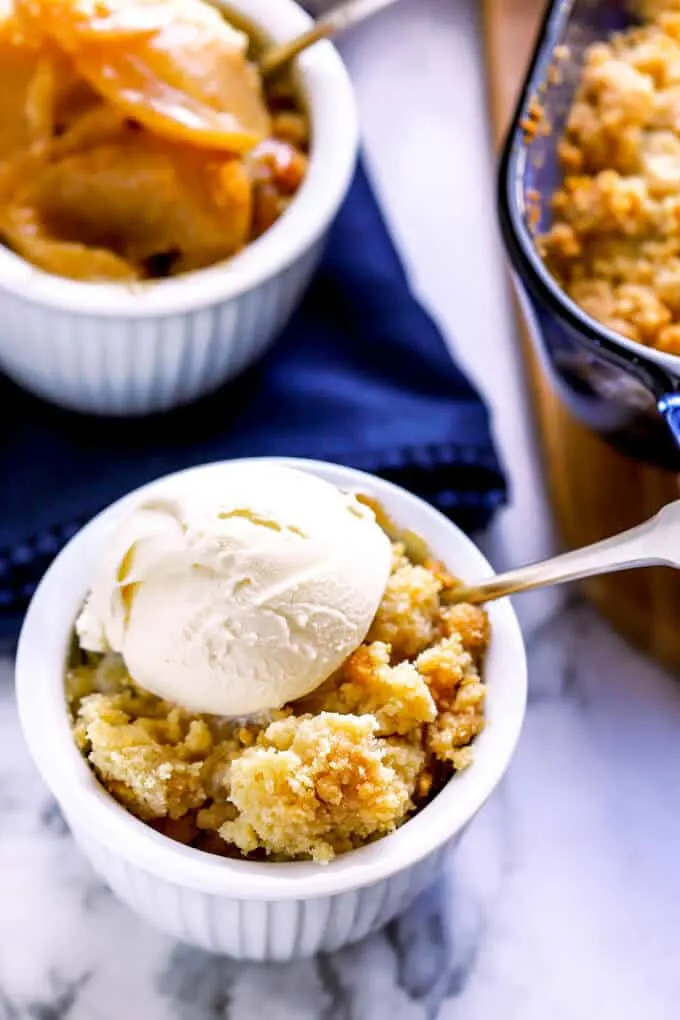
130	350
259	911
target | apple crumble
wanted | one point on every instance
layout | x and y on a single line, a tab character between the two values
330	772
615	241
146	160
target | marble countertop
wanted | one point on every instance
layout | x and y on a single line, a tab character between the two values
562	900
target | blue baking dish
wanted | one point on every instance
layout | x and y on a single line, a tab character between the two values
627	393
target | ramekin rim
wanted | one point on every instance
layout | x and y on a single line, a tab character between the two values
78	792
334	118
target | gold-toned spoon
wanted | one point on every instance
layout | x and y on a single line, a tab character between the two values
654	543
345	15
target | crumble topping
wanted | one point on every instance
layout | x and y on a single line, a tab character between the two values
330	772
615	244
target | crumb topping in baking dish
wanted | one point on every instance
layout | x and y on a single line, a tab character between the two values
615	240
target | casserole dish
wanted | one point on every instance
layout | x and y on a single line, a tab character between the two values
626	392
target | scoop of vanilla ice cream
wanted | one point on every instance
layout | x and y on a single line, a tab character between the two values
238	590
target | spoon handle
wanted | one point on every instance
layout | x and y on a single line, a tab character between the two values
656	542
337	20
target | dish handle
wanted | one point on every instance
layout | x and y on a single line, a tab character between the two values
669	409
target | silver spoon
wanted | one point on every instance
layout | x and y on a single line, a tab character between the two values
345	15
654	543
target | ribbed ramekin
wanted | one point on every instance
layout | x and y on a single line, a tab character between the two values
259	911
135	349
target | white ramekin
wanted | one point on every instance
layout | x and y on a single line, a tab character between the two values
134	349
259	911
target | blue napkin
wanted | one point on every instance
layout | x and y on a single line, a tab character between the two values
361	376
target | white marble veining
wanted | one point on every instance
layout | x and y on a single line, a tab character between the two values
562	901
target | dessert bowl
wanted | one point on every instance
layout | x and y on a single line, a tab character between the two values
242	908
143	347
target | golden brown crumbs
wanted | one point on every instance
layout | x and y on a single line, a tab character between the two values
407	614
446	739
149	764
440	572
614	245
337	769
532	123
316	785
470	623
534	206
397	696
444	667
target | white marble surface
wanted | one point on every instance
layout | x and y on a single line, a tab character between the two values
562	902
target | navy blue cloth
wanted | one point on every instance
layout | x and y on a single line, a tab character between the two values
361	376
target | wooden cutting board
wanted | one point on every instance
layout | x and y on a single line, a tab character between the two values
594	491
